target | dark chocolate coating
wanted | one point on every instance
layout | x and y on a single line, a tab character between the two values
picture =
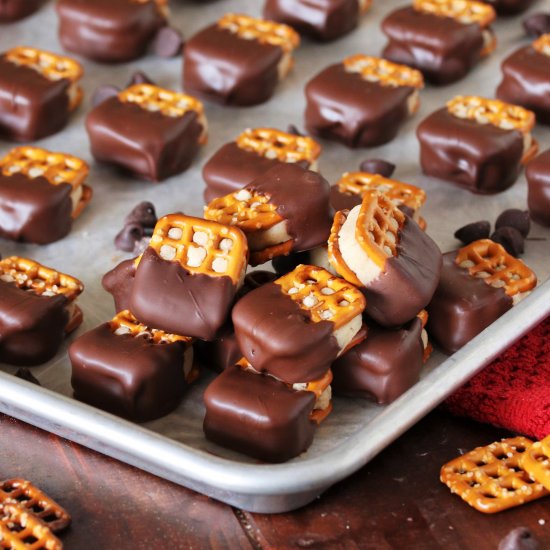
33	210
31	106
538	188
526	82
442	48
345	107
108	30
408	281
167	296
383	366
125	375
279	338
322	20
309	221
479	157
221	67
462	306
258	416
149	144
221	353
13	10
32	327
118	282
343	201
509	7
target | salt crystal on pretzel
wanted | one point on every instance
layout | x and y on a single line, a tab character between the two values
536	462
492	479
465	11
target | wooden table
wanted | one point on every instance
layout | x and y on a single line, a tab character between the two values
395	502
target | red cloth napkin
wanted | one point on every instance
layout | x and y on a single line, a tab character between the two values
513	392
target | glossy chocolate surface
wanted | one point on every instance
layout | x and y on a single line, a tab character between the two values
279	338
462	306
125	375
538	188
526	82
408	281
442	48
221	67
119	281
168	297
13	10
149	144
383	366
258	416
32	327
33	210
108	30
31	106
344	107
479	157
320	19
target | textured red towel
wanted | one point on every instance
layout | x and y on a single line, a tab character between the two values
513	392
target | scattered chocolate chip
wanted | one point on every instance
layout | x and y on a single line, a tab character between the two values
294	130
104	92
519	219
143	214
139	77
537	23
168	42
473	231
519	538
26	374
141	245
378	166
511	239
128	236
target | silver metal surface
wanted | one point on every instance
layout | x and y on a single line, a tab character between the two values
174	447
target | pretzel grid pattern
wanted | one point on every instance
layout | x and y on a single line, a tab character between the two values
265	32
487	260
39	279
201	246
491	478
275	144
326	297
35	162
156	99
36	502
464	11
542	44
125	323
536	462
492	111
21	530
356	183
335	255
386	73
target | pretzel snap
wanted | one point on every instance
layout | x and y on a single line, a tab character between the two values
51	66
386	73
464	11
36	502
536	462
542	44
492	479
487	260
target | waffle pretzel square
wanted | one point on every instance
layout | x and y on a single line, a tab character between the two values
464	11
36	502
383	72
487	260
536	462
491	478
275	144
265	32
22	530
51	66
201	246
542	44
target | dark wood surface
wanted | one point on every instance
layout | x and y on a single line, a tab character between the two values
395	502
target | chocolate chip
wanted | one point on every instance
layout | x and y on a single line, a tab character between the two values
104	92
537	23
378	166
519	538
26	374
143	214
511	239
139	77
168	42
294	130
128	236
473	232
519	219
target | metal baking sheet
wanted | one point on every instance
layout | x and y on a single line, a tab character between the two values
174	447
